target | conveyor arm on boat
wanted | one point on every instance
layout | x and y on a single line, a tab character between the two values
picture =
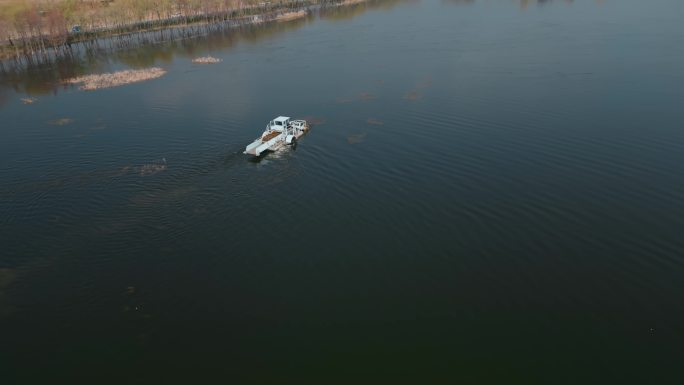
265	146
252	146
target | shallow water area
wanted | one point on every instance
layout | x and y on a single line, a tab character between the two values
491	193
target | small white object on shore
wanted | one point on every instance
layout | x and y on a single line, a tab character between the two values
206	60
115	79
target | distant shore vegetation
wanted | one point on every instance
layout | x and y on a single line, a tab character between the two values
31	27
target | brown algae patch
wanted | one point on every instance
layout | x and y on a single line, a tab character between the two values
115	79
61	122
206	60
356	138
375	122
413	95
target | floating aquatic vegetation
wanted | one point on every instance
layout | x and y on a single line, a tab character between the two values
206	60
356	138
28	100
375	122
61	122
153	168
413	95
115	79
291	15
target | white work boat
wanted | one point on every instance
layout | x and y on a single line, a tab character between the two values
280	132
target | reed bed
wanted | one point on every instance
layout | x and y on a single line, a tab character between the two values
115	79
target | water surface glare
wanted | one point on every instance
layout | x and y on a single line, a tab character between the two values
491	193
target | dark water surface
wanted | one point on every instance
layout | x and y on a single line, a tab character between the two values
492	194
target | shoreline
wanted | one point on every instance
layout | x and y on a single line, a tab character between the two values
45	46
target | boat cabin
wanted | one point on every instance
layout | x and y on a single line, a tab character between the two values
279	124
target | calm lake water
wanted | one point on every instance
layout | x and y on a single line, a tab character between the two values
492	193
